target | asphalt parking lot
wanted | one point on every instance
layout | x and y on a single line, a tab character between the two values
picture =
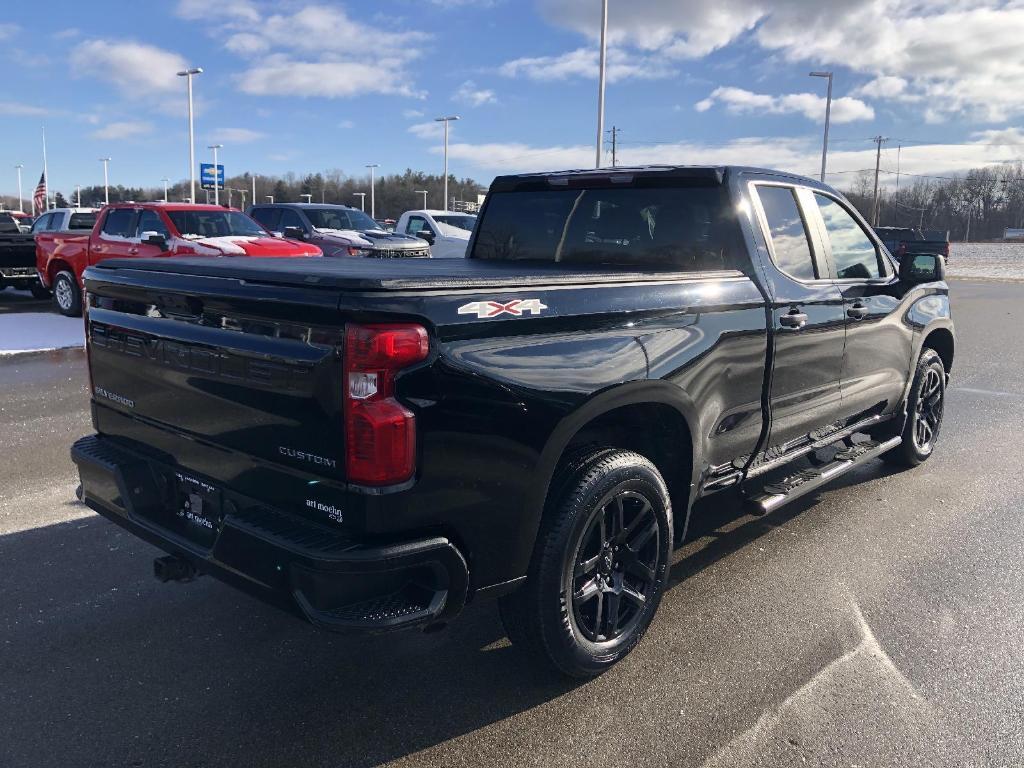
877	623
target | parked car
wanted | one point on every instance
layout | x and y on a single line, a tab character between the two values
17	258
24	220
370	445
905	240
66	220
140	230
337	230
447	232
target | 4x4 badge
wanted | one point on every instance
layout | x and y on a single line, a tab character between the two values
516	307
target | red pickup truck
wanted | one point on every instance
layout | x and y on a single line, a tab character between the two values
140	230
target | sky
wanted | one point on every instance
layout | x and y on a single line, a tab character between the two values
306	86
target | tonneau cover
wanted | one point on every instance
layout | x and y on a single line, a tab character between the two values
392	275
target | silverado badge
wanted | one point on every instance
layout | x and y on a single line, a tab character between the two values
516	307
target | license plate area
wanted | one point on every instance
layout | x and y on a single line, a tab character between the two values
195	509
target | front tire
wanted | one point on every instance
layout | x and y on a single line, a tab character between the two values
67	297
599	566
924	412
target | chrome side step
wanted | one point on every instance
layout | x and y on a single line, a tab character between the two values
783	491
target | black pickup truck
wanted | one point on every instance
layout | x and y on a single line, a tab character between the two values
18	258
372	444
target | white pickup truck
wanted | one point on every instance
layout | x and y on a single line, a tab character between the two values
447	231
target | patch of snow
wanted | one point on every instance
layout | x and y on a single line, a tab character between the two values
216	246
349	234
39	332
990	261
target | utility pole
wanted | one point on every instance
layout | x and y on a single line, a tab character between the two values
446	121
78	194
875	209
188	74
615	145
373	194
424	193
362	200
217	181
309	198
600	83
106	180
21	202
165	180
828	117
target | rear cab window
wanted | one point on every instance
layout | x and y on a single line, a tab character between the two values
685	227
82	221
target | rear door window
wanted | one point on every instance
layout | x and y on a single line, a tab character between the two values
290	218
791	248
853	252
119	222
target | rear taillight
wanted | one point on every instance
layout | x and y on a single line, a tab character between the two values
380	432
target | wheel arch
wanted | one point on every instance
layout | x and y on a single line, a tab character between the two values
641	416
941	340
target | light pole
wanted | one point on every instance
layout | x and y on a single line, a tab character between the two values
424	193
828	117
216	173
21	204
165	180
188	75
78	195
373	202
600	83
270	198
446	120
106	180
309	198
362	200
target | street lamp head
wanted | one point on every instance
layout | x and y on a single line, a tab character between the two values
446	119
215	146
104	159
820	74
191	71
373	165
19	165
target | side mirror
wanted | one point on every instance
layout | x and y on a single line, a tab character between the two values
919	268
294	233
155	239
426	234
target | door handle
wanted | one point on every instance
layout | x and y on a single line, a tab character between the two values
794	319
857	312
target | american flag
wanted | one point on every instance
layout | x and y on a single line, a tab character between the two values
39	198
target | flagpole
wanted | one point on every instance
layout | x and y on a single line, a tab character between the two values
46	171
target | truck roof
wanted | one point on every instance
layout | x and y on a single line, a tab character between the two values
709	173
170	206
307	206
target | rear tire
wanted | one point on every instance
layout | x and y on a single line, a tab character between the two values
925	407
599	566
67	297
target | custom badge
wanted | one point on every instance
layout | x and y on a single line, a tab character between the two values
516	308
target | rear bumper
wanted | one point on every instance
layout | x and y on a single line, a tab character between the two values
329	579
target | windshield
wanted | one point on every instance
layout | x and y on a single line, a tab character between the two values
690	228
337	218
461	221
8	225
215	224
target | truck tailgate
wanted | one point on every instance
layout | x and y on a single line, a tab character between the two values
256	374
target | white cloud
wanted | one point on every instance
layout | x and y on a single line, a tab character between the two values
66	34
961	56
311	50
468	93
739	101
801	155
125	129
21	110
412	114
429	130
585	62
136	68
8	31
280	75
236	135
